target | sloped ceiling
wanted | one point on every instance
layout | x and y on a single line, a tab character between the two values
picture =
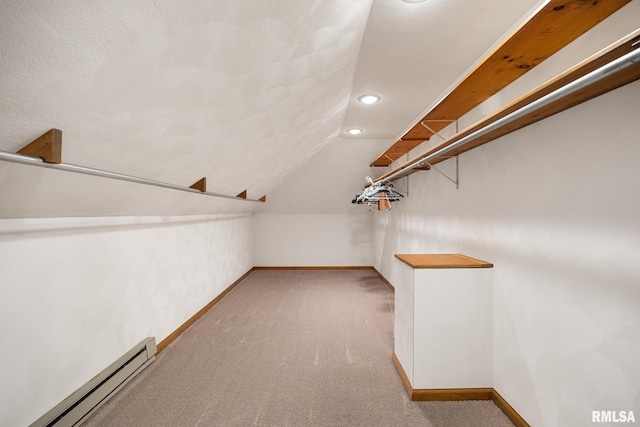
243	92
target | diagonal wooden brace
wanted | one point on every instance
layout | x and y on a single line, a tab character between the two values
48	147
200	185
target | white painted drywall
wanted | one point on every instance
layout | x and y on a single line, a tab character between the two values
443	326
338	171
556	208
452	328
80	292
312	240
298	226
404	318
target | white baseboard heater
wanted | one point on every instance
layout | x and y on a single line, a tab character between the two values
76	408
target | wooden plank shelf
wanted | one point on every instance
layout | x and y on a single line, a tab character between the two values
609	82
442	261
554	26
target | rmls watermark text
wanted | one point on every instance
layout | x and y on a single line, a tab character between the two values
612	417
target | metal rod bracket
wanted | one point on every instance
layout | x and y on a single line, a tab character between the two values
200	185
424	125
47	146
46	152
456	181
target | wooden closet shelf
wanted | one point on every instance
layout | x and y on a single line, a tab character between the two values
554	26
442	261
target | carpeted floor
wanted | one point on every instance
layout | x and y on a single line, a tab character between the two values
287	348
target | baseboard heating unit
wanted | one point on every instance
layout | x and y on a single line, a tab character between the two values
76	408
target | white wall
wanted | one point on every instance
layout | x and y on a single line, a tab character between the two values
80	292
556	208
461	299
313	240
310	220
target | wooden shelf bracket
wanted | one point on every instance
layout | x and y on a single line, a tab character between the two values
200	185
46	152
47	146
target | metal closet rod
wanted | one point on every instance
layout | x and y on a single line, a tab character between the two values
37	161
568	89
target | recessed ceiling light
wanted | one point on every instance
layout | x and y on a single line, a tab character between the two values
413	1
369	99
354	131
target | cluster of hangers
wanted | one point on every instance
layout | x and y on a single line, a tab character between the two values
377	193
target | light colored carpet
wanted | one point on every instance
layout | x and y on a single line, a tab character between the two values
287	348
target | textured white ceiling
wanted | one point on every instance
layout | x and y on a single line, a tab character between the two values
241	92
329	182
411	53
244	92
